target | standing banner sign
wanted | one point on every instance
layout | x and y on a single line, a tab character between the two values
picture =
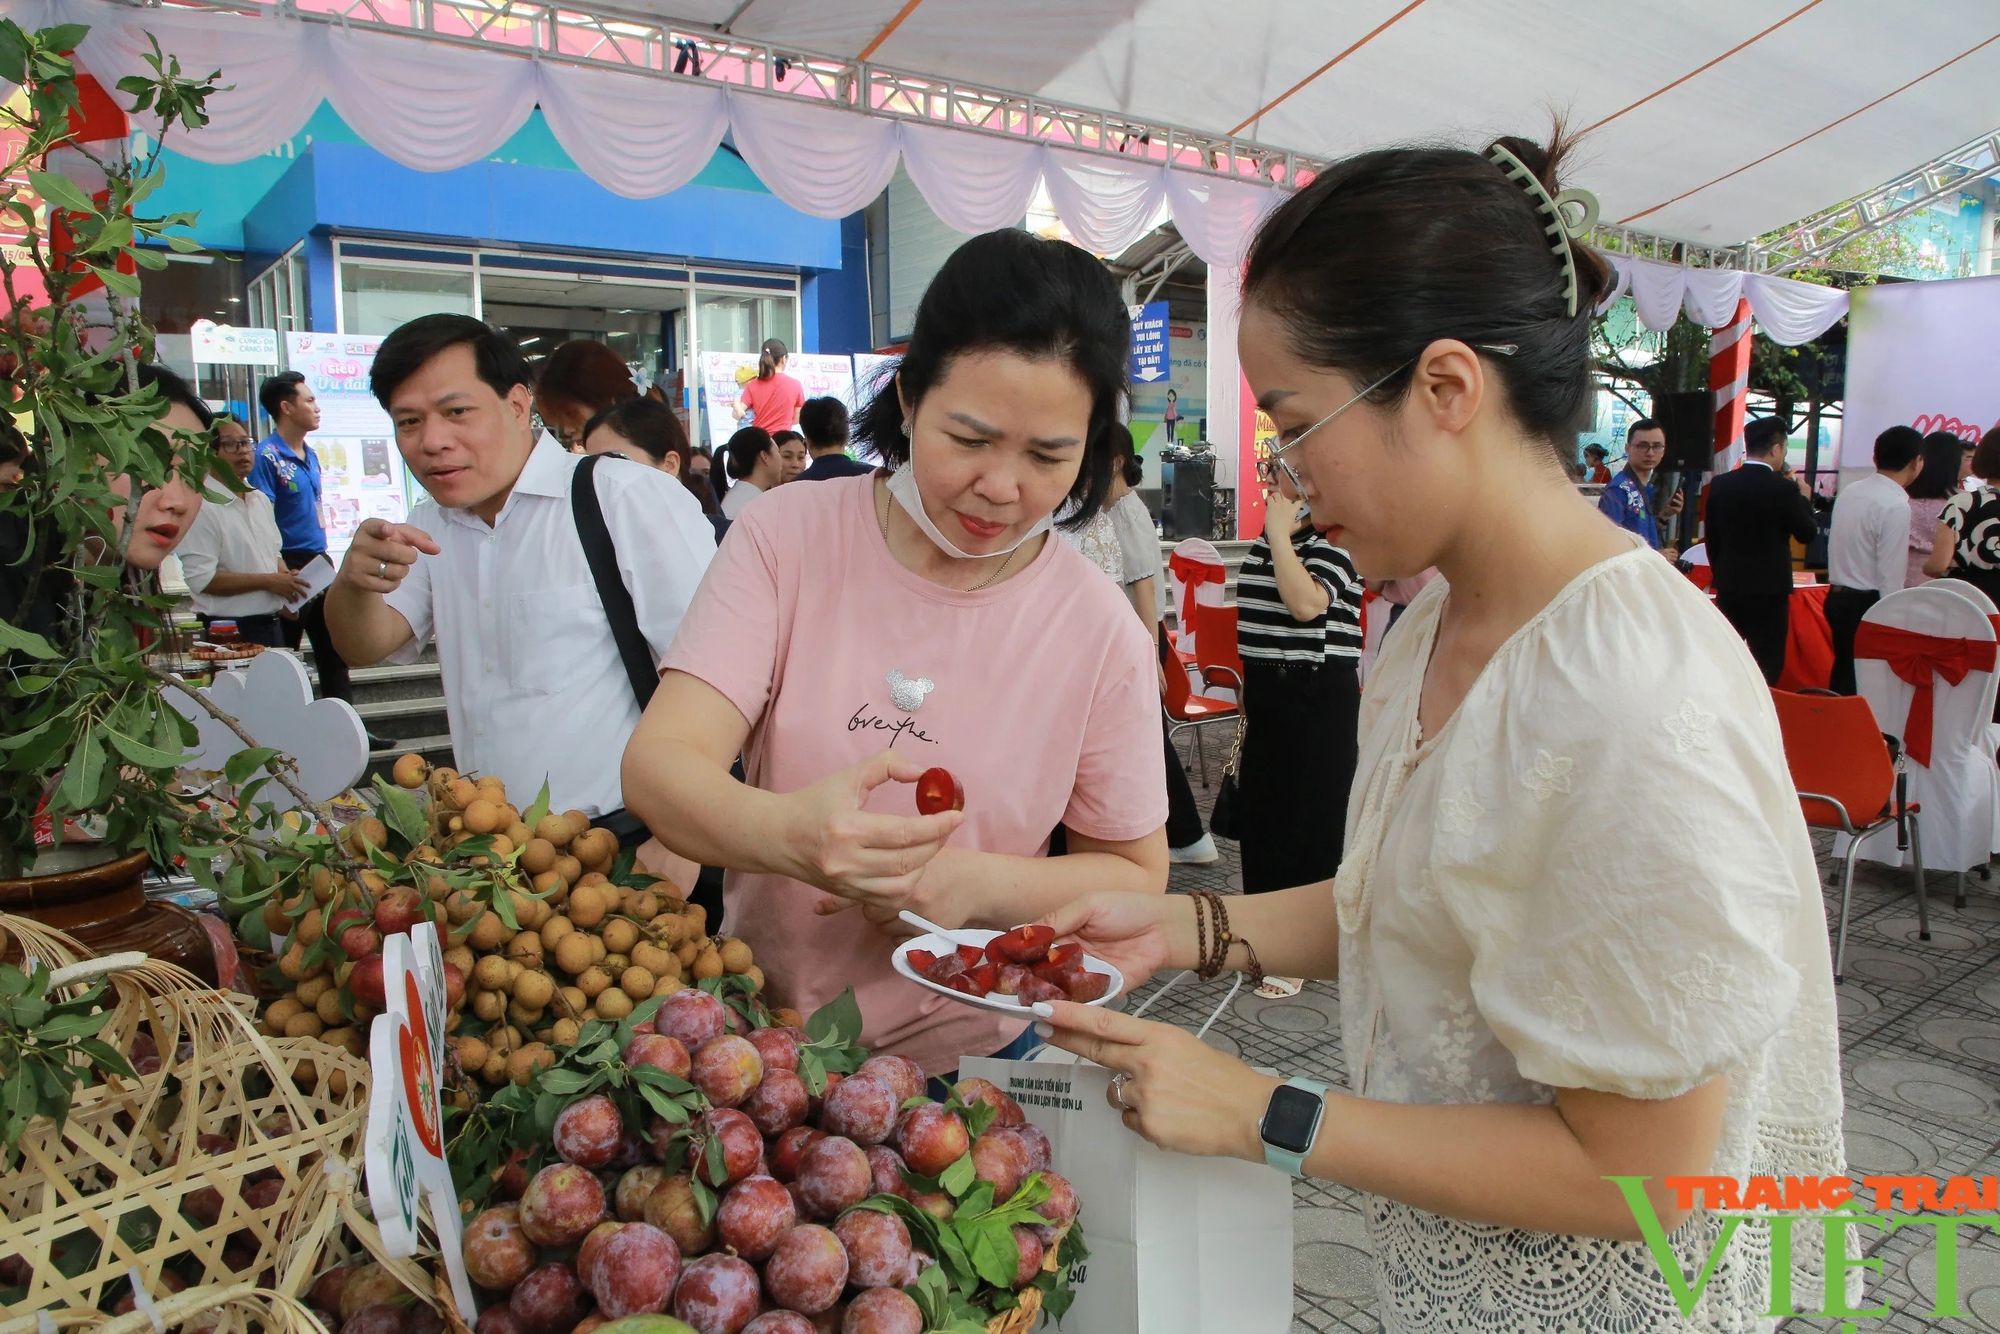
823	376
404	1147
721	389
361	474
1149	342
215	344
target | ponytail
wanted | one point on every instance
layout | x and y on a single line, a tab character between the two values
768	357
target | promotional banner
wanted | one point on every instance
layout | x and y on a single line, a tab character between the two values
1149	342
226	345
1171	408
361	474
823	376
871	371
1921	354
722	377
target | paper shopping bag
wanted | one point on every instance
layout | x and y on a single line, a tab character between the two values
1178	1245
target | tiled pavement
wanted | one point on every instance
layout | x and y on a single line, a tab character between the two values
1920	1035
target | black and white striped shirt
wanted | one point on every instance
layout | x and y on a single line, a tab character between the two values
1266	630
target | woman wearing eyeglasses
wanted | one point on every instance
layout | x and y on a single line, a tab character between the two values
1529	1008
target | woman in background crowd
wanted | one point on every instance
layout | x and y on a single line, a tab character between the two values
792	453
754	467
1187	842
1966	543
575	382
230	556
1947	463
648	431
772	400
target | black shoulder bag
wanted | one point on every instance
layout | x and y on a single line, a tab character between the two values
633	650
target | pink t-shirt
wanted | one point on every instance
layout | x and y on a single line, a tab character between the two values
774	403
1044	703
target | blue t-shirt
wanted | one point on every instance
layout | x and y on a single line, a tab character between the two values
1628	502
292	483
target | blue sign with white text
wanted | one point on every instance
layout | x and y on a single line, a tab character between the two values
1149	342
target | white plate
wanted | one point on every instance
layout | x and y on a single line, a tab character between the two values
1004	1004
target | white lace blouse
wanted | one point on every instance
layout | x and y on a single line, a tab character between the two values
1595	876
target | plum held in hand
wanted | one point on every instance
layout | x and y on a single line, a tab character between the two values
938	792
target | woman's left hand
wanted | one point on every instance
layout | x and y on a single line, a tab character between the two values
1181	1093
1281	514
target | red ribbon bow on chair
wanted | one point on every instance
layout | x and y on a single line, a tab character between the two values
1917	658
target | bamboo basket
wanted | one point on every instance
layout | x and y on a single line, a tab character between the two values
234	1308
128	1154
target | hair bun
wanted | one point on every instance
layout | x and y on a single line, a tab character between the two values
1595	278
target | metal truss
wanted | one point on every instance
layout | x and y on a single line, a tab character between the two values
607	37
1828	230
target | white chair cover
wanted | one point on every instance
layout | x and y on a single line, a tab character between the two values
1959	790
1978	599
1198	551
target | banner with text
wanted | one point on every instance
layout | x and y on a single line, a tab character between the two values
361	474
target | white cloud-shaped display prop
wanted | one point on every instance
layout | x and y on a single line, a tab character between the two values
272	698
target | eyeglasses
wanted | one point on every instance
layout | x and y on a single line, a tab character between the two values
1266	467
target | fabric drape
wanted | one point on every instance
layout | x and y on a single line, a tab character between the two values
1918	659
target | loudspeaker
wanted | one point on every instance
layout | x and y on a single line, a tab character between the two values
1187	497
1689	420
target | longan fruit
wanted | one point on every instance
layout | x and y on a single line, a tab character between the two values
555	929
531	912
327	1007
593	981
534	989
554	830
651	957
573	952
460	793
553	889
502	845
292	963
501	1039
463	906
571	1001
688	952
306	1075
523	1064
323	884
706	965
490	972
440	776
308	928
667	986
410	771
599	879
587	906
515	1038
275	920
495	1069
673	928
493	788
614	964
472	1053
527	1016
367	832
345	1038
614	1004
697	917
578	821
645	905
735	956
279	1014
786	1017
526	949
564	1031
305	1024
310	990
569	868
487	932
537	855
514	969
463	957
636	982
756	976
620	935
489	1005
455	1018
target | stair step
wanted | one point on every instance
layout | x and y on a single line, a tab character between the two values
390	709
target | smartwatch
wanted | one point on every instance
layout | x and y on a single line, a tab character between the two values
1291	1123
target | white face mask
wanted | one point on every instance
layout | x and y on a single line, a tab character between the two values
903	486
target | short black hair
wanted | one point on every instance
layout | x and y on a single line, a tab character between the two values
1643	424
176	390
497	357
779	437
1013	291
1760	436
1897	448
277	390
824	422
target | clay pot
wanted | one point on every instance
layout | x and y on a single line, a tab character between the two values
103	904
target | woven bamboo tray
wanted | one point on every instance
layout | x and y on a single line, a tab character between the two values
128	1153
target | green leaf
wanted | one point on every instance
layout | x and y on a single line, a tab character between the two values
560	1081
839	1018
13	52
143	755
124	284
668	1110
704	1200
533	815
81	774
975	1203
61	191
995	1255
958	1178
65	1027
64	37
651	1076
400	811
714	1160
246	762
978	1117
13	639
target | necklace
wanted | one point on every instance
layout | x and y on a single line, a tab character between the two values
882	518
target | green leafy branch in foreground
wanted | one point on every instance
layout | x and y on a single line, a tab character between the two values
48	1049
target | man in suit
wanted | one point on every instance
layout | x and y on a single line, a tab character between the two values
1754	515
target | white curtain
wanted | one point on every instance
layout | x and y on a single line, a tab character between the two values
819	160
635	137
973	182
1107	203
1217	217
427	105
1788	312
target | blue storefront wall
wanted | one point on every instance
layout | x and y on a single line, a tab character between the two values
528	194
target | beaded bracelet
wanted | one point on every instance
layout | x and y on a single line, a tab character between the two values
1213	939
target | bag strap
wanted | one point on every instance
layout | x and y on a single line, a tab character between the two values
611	591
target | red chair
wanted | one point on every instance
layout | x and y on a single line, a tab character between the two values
1189	712
1215	653
1849	782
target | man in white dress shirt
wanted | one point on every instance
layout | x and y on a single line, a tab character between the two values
491	566
1868	551
230	556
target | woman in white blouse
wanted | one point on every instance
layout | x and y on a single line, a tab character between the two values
1531	1001
230	554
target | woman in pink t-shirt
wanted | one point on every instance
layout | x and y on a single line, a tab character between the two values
771	400
852	634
